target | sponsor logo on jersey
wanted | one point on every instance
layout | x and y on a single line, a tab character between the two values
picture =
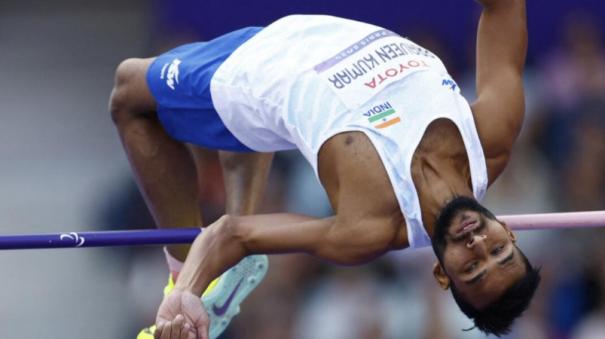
170	72
367	66
449	83
393	72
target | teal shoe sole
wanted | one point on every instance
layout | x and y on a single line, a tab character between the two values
222	303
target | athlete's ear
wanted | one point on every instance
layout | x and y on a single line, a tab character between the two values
439	273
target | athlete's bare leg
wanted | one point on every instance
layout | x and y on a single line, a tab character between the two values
245	176
165	169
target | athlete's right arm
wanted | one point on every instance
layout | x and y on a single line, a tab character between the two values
500	104
224	243
334	239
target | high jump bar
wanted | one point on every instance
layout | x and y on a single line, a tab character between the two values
520	222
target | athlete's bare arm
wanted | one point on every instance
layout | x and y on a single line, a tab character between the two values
500	104
339	240
335	239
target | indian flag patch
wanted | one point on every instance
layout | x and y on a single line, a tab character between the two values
382	116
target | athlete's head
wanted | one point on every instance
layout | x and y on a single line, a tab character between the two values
491	279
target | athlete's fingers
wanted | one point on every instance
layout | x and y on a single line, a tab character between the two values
186	331
177	325
166	330
158	331
202	331
201	326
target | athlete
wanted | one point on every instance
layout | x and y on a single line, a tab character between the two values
401	154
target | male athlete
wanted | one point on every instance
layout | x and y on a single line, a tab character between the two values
401	154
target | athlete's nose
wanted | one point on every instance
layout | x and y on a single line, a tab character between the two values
475	239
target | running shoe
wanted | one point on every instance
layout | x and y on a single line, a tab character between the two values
224	295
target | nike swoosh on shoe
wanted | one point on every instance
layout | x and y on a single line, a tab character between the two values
220	310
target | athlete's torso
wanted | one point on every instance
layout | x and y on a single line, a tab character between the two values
359	98
353	174
305	78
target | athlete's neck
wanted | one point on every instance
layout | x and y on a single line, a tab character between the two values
433	203
441	172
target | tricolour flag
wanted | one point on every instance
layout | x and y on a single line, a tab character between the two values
385	119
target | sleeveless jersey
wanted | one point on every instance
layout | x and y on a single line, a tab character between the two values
306	78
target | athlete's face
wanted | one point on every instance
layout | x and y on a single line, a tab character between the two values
477	254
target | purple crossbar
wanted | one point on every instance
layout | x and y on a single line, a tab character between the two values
99	239
187	235
555	220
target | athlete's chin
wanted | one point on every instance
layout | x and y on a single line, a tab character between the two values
453	215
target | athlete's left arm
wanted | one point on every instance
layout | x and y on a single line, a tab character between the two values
500	104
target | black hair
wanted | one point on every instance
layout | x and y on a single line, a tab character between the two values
498	317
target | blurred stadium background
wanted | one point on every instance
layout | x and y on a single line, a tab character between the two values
62	169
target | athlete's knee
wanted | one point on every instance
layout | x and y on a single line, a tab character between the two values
119	99
130	96
127	71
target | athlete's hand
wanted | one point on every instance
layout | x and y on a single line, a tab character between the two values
181	316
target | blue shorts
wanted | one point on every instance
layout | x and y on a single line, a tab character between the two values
179	80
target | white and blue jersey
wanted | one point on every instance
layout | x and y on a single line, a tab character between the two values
305	78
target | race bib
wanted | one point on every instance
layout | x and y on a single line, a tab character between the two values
363	69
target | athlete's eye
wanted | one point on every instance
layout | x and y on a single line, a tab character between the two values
471	267
497	250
